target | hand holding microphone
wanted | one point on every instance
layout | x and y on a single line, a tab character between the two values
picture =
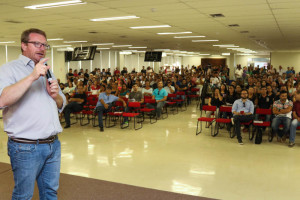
40	69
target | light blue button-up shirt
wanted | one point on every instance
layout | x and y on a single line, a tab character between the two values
107	99
239	106
35	115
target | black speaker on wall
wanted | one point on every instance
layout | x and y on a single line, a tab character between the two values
68	56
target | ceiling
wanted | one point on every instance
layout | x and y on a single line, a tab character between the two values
272	25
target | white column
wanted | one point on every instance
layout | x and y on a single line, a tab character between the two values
138	58
108	59
6	56
91	65
101	60
52	59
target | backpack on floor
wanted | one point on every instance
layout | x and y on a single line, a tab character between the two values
258	137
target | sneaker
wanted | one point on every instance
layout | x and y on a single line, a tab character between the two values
291	144
101	129
240	141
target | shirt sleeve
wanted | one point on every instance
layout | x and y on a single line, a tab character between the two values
251	107
234	107
165	93
6	78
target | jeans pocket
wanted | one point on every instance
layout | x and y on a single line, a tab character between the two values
25	148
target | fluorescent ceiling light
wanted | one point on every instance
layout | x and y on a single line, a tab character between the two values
55	39
224	45
173	33
215	55
103	48
137	47
114	18
74	41
161	50
62	46
122	46
225	54
197	36
125	52
203	54
156	26
205	40
103	44
8	42
56	4
140	51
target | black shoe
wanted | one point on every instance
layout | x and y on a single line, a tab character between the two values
67	126
240	141
101	129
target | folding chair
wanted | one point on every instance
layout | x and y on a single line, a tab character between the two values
181	101
222	109
206	119
171	103
148	111
88	109
135	114
194	94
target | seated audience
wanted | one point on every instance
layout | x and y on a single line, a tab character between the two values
282	109
75	104
243	110
147	90
295	123
169	88
160	95
104	104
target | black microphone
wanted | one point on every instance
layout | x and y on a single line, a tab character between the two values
48	74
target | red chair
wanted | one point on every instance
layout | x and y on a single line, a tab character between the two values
171	103
182	101
206	119
194	94
88	110
219	120
262	112
115	114
135	114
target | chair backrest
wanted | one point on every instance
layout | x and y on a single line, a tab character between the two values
209	108
147	97
225	109
150	101
262	111
195	89
125	99
180	93
119	103
172	96
134	104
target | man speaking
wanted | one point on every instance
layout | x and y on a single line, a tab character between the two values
30	114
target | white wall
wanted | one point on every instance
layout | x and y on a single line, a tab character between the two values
286	59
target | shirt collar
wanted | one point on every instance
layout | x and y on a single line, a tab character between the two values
26	61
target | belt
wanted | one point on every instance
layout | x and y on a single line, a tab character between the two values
48	140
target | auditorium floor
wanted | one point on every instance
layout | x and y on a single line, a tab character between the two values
168	156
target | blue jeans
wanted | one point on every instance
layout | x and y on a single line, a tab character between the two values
100	110
35	162
158	108
294	125
285	121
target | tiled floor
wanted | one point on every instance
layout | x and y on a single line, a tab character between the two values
168	156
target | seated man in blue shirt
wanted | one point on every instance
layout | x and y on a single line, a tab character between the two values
242	110
104	104
160	95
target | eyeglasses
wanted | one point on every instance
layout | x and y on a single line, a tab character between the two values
39	44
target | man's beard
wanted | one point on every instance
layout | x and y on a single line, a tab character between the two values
244	98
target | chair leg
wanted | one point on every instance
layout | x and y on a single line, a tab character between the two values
252	132
198	132
135	121
232	134
216	132
270	135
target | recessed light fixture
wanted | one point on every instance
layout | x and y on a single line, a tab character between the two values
74	41
174	33
122	46
225	54
103	44
161	50
55	39
156	26
137	47
225	45
140	51
205	40
125	52
56	4
103	48
203	54
8	42
197	36
114	18
62	45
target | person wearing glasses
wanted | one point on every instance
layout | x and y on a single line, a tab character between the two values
242	110
160	95
169	88
31	104
282	109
